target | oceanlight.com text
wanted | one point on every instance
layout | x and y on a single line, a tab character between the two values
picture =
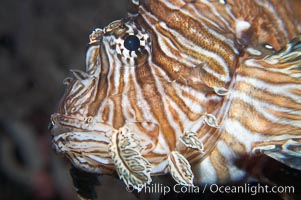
250	189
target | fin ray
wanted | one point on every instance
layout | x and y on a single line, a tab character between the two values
288	152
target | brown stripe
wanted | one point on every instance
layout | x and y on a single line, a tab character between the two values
175	116
187	26
147	83
247	115
78	99
268	76
264	96
296	91
118	117
102	86
220	165
232	142
170	91
132	94
292	116
105	113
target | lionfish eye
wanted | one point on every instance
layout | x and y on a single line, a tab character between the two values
132	43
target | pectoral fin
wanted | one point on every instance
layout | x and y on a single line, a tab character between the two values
291	53
287	152
190	140
288	59
130	165
180	169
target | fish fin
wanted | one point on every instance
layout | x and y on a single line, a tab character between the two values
290	53
288	59
189	139
180	169
287	152
130	165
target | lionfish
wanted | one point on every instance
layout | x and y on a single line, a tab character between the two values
186	87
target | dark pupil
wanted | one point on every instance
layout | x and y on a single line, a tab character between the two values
132	43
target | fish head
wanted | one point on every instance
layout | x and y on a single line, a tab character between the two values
86	117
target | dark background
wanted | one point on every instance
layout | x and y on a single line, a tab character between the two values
39	42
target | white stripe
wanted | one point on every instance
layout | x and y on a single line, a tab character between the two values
281	89
221	77
242	134
110	104
140	100
127	109
229	155
162	147
217	13
183	117
168	53
261	106
193	105
160	167
206	172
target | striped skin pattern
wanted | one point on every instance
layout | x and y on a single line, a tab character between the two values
207	87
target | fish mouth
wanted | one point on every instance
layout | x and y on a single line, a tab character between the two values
58	144
60	124
87	149
64	128
78	142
